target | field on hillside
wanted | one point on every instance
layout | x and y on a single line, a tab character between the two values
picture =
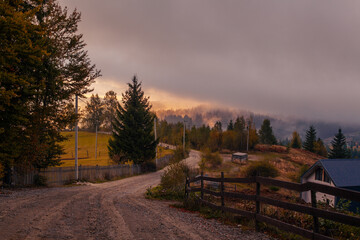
288	163
86	150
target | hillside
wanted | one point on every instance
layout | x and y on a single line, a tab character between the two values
86	152
289	163
86	149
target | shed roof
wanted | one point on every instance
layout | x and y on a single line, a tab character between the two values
239	154
343	172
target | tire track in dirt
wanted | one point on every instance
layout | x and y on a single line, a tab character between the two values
111	210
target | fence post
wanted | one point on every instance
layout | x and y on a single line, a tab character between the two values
60	179
96	172
186	190
222	192
202	186
316	219
257	227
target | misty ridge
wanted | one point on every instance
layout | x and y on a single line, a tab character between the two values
283	127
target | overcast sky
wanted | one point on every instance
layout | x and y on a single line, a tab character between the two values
292	58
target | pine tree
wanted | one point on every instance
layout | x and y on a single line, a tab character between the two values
230	126
239	124
310	139
266	133
133	135
296	141
240	133
338	147
218	126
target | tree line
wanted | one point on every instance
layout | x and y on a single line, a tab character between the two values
241	132
99	112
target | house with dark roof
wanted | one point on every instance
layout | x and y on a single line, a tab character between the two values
342	173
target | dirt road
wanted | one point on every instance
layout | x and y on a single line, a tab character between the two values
111	210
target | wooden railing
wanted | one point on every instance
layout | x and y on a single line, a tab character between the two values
258	199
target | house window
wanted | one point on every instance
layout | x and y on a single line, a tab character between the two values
318	174
326	177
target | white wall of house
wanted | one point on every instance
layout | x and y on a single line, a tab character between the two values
306	196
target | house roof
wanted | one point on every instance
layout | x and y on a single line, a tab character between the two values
239	154
343	172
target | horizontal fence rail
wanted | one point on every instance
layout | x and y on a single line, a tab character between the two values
258	199
63	175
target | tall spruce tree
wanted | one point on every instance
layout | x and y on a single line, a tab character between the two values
266	133
133	135
310	139
338	147
230	126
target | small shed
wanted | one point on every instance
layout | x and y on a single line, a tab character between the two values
239	157
342	173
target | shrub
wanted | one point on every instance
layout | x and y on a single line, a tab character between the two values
40	180
179	154
148	167
173	180
261	168
209	159
174	176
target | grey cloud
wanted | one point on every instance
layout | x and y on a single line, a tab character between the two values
297	58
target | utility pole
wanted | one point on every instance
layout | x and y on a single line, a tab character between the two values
95	141
76	140
247	142
155	137
184	137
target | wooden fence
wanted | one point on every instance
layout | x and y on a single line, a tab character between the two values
163	161
62	175
312	210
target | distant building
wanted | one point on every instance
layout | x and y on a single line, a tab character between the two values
342	173
239	157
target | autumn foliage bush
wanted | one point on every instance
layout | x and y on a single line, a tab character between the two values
261	168
210	160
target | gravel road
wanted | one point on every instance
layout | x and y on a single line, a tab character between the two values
111	210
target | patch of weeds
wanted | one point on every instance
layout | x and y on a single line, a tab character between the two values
210	213
274	188
277	233
192	203
160	193
69	182
40	180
